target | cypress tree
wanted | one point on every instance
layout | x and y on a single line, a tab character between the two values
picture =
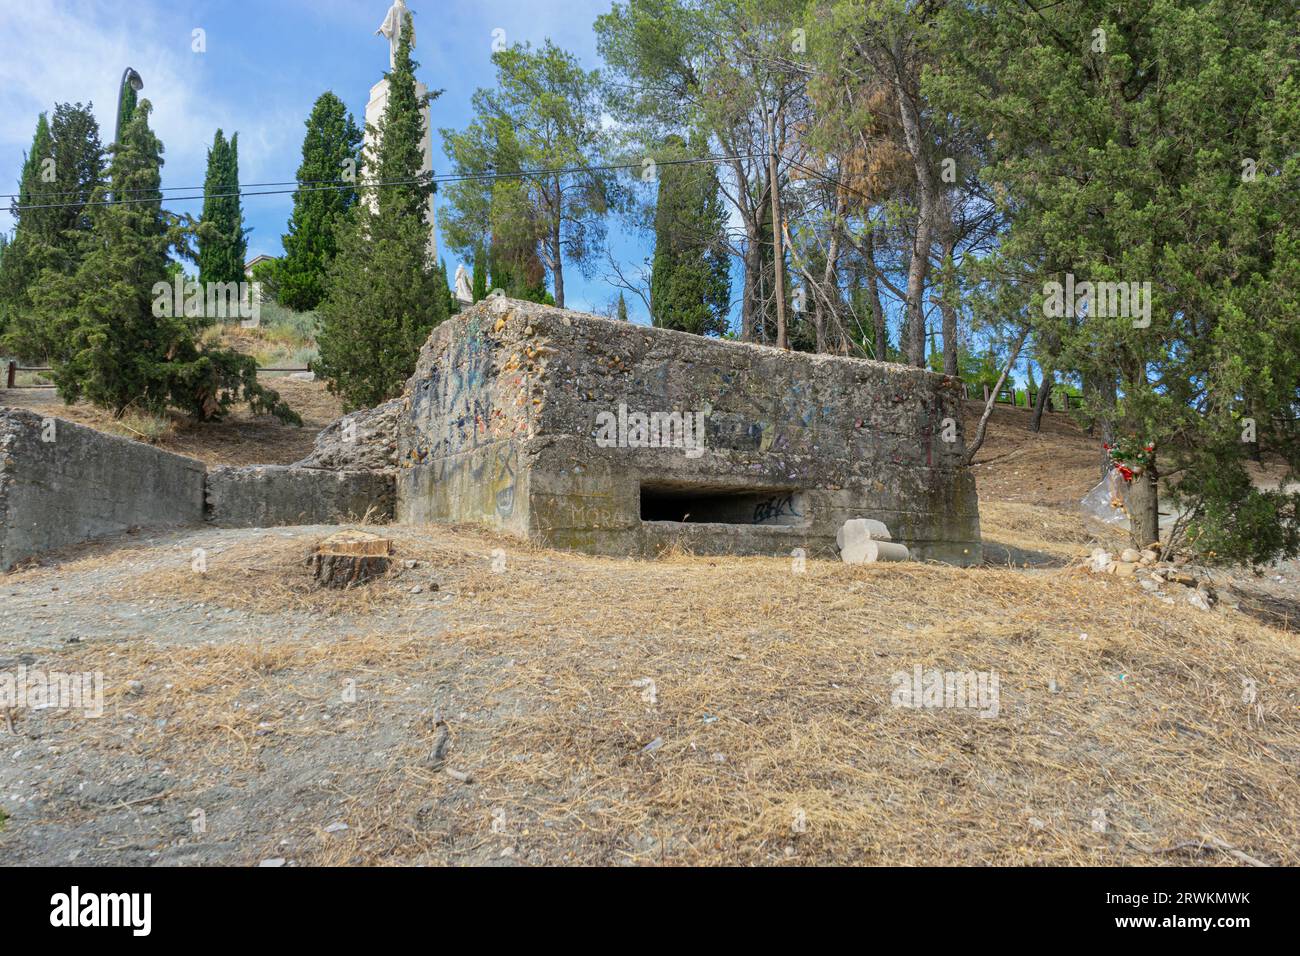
690	286
127	109
126	346
478	283
443	282
223	242
52	237
331	150
34	230
382	294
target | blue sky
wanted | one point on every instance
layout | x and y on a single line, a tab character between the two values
264	66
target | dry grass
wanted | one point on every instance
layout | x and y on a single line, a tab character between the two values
1054	534
1122	736
1054	468
240	439
773	698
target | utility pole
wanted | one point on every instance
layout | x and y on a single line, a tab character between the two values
778	250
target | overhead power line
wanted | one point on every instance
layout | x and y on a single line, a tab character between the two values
361	184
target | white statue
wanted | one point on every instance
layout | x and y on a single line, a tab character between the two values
391	29
463	291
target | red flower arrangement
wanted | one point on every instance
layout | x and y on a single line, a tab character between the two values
1129	457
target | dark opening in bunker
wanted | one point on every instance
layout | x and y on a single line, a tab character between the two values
666	501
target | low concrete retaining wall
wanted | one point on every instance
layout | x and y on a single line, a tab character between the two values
63	484
263	496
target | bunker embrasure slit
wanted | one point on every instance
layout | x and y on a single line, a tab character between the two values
711	504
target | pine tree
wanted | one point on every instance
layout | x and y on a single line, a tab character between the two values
1080	108
690	287
331	151
223	242
621	312
123	350
383	293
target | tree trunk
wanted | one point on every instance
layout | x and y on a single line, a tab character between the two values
993	398
949	311
830	285
1143	506
873	297
914	344
778	253
1109	396
748	296
1044	396
348	558
558	271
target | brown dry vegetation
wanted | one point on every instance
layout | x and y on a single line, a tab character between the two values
1122	737
240	439
773	696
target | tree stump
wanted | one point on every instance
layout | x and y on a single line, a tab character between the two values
348	558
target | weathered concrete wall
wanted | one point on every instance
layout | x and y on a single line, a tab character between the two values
263	496
62	484
364	440
502	417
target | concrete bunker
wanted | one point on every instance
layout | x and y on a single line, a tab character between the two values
568	429
612	438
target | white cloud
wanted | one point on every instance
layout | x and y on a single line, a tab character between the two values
76	52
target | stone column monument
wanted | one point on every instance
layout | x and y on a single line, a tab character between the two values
391	30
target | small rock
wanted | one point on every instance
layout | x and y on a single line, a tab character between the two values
410	564
1149	556
273	861
1100	559
1125	569
1198	600
336	827
135	688
1149	584
653	745
1130	556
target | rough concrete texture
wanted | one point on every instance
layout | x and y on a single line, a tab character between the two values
513	419
361	441
263	496
62	484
